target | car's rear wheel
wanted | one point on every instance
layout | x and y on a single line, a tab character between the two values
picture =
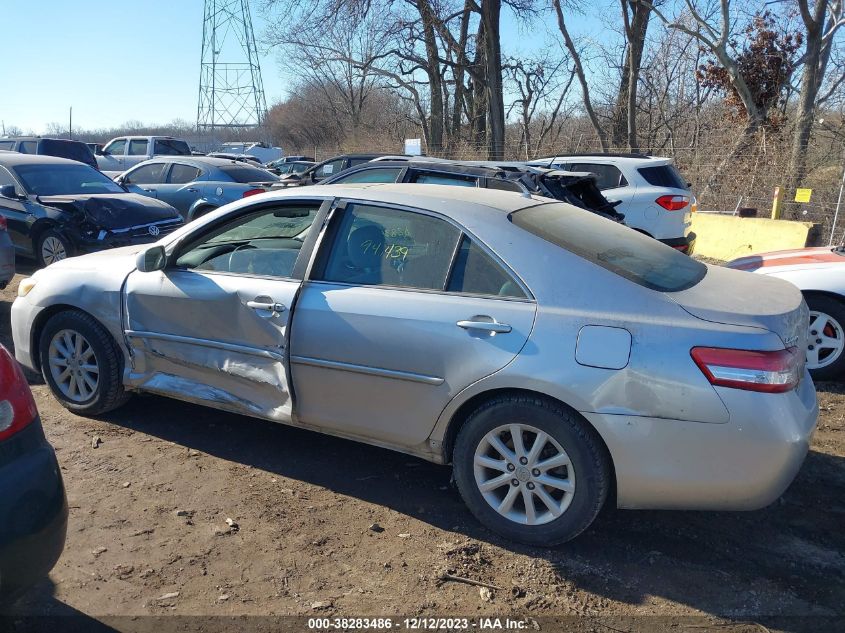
51	246
81	363
531	470
826	341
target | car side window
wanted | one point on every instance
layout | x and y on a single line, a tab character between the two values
475	272
609	176
6	178
28	147
7	145
371	175
146	174
182	174
116	147
330	168
265	243
138	147
389	247
428	178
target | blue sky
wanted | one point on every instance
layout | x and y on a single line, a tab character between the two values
119	61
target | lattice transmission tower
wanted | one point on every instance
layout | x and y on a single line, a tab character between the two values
231	92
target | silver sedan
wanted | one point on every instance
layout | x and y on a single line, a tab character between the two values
554	358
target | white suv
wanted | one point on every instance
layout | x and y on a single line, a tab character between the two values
654	197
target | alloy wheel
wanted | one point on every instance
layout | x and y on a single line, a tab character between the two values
524	474
53	250
826	341
73	365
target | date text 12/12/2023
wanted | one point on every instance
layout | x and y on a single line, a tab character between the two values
419	623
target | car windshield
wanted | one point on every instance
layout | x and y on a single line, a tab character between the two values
617	248
244	173
53	180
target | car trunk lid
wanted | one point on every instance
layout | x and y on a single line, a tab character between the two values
738	298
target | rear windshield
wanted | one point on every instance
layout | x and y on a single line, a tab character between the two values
617	248
67	149
663	176
245	173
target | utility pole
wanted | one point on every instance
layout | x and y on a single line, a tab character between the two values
231	93
70	124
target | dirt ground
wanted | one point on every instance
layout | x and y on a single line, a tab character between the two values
149	533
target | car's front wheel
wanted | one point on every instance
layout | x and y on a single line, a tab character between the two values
51	246
826	340
531	470
81	363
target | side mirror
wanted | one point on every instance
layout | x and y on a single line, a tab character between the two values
151	259
9	191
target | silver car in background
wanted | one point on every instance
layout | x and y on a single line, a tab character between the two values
196	185
553	357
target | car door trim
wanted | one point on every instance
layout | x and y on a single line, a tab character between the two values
366	369
190	340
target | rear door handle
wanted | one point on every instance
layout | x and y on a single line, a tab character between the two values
485	326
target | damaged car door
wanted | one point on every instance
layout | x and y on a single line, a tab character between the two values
211	325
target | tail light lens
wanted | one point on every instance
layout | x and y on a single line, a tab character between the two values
769	372
3	225
252	192
673	203
17	407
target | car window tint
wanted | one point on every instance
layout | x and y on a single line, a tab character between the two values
7	145
138	147
146	174
612	246
6	178
73	150
663	176
330	168
475	272
182	174
371	175
171	147
609	176
116	147
265	243
378	246
28	147
442	179
245	174
503	185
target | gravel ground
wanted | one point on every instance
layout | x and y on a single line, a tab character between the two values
185	510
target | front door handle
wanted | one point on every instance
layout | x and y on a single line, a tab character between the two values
192	190
269	306
485	326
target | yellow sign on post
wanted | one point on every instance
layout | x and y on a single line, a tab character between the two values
803	195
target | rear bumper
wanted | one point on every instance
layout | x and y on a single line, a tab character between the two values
744	464
684	244
33	509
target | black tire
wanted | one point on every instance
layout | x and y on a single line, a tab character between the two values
835	309
51	234
587	455
109	393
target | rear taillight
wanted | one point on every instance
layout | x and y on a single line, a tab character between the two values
769	372
3	225
252	192
17	408
673	203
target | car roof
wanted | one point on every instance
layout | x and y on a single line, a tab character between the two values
444	166
615	158
438	198
200	161
11	159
